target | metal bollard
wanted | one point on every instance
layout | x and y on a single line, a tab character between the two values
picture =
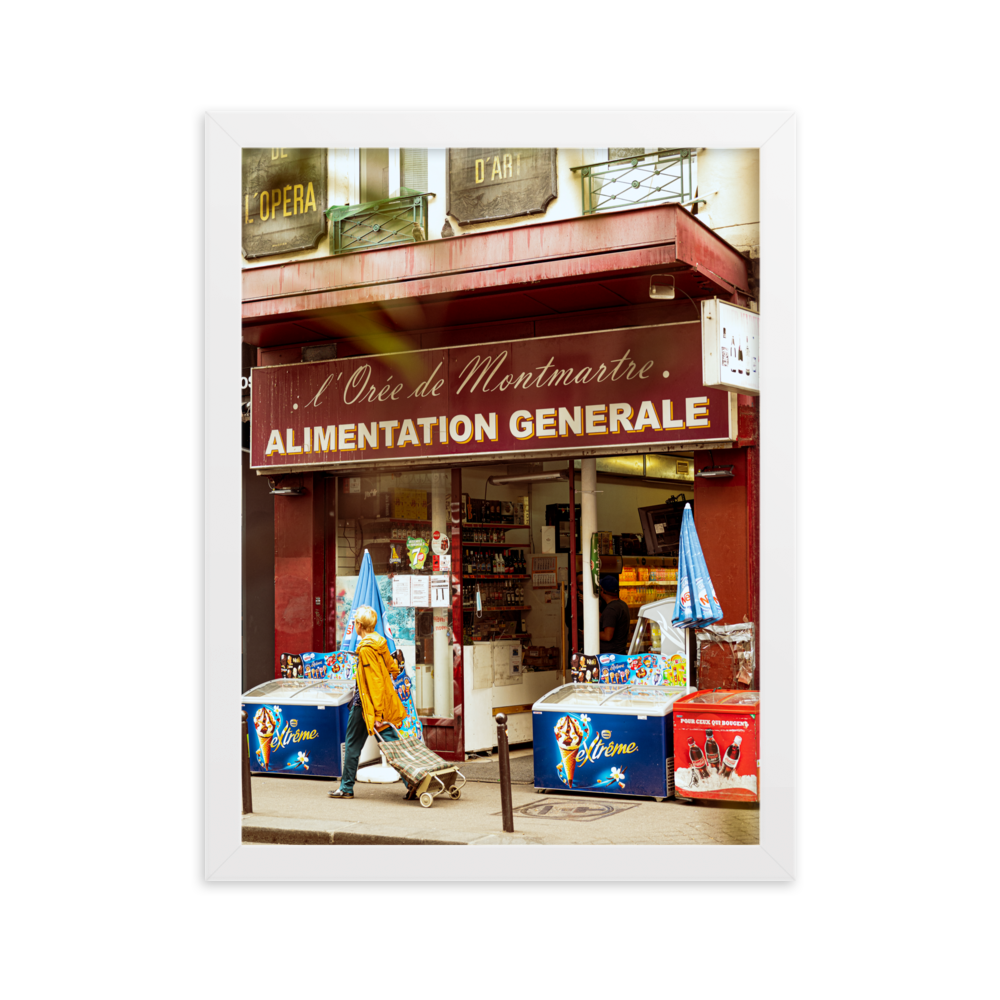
247	800
504	751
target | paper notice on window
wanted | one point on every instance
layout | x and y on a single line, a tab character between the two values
440	592
401	592
420	591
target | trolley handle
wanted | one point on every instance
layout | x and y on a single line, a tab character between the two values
378	735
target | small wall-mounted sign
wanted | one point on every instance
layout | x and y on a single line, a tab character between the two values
489	184
284	200
730	343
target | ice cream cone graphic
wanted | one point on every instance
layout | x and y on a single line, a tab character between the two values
569	761
569	736
263	722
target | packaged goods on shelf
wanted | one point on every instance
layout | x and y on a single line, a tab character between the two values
514	511
404	505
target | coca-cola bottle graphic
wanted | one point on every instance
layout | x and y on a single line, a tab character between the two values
712	751
697	759
732	757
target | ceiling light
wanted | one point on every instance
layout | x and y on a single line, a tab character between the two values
538	477
717	472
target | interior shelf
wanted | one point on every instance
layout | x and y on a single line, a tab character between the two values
469	608
496	576
493	545
492	524
392	520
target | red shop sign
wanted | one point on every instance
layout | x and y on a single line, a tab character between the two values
613	391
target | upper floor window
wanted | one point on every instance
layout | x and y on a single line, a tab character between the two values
413	169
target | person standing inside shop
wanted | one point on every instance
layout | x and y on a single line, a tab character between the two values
375	703
614	617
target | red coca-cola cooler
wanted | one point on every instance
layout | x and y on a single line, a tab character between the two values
717	745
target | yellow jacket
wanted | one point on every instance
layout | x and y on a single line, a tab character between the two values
376	668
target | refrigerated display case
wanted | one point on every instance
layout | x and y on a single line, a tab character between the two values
496	681
297	726
606	739
717	745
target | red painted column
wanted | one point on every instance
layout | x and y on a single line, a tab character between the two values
725	519
299	599
720	514
749	439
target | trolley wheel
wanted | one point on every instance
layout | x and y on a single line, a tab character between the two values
427	800
455	793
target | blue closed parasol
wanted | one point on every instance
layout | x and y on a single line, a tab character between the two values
367	594
696	605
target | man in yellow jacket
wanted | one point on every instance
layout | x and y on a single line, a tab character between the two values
375	704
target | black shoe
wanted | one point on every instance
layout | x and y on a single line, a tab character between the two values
341	794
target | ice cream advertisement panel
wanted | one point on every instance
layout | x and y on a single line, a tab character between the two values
300	739
616	754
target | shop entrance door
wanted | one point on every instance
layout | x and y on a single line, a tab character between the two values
406	522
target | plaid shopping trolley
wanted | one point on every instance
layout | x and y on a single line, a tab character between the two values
426	775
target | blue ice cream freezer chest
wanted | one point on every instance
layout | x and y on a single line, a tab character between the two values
606	739
298	726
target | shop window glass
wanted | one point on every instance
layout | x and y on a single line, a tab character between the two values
395	516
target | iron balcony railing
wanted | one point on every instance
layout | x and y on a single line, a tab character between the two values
662	176
375	224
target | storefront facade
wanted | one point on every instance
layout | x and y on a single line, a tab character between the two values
489	367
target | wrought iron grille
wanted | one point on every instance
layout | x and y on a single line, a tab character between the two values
646	179
384	223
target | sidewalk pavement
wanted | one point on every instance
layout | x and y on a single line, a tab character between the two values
298	811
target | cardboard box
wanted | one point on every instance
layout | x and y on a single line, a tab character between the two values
549	539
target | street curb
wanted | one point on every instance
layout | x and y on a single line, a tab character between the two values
259	829
277	835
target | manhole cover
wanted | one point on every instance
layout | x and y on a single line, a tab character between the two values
575	812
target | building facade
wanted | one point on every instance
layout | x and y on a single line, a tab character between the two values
519	329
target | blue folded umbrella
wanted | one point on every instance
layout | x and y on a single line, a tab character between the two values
367	594
685	615
696	605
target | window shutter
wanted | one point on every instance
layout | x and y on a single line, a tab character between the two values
413	169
